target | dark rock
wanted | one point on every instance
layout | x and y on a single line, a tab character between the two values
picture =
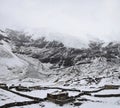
77	103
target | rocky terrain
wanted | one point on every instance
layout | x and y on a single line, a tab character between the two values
90	75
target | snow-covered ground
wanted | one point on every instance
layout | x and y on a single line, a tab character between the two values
111	102
8	97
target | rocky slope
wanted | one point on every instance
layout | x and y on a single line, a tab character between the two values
59	64
10	65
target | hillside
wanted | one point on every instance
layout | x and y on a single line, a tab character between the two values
33	68
58	63
10	64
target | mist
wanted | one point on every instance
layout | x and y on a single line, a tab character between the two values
81	19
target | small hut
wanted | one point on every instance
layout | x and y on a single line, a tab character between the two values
35	88
2	85
59	97
111	86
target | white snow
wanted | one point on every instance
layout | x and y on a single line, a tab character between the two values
39	93
8	97
109	92
10	65
98	105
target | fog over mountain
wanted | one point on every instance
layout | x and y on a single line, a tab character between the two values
82	19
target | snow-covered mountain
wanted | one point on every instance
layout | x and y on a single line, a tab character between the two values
59	62
68	64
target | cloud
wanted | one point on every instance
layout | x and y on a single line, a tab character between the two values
98	18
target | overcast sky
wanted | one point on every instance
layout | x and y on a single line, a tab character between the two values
80	18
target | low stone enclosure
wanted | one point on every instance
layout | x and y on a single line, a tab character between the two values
111	86
59	97
22	88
